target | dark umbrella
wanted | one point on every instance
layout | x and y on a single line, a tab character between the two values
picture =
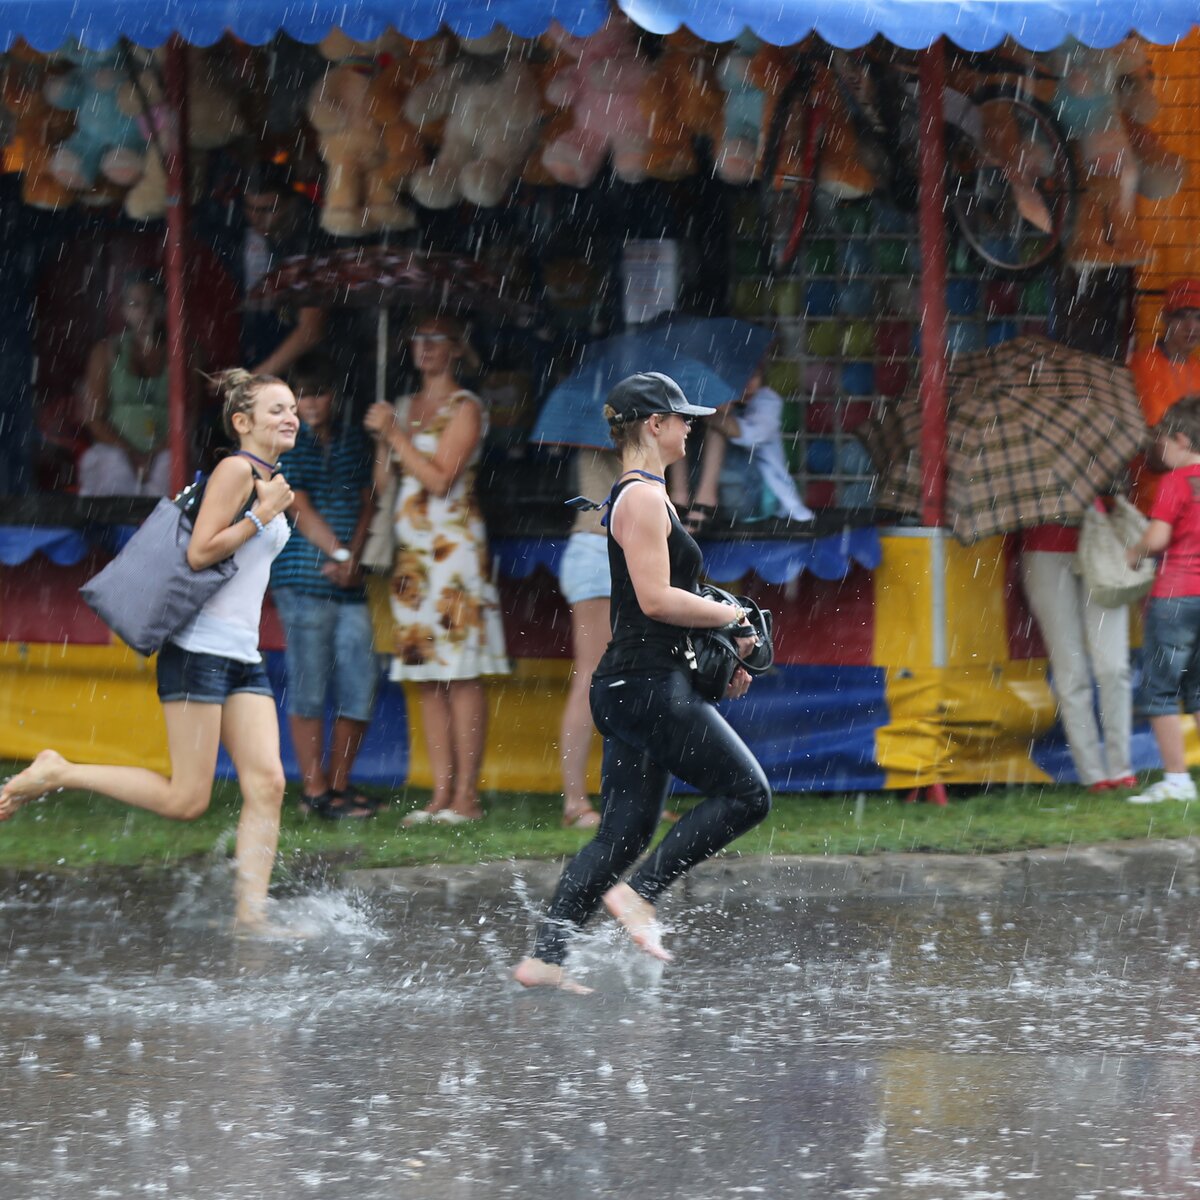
382	276
711	358
1035	432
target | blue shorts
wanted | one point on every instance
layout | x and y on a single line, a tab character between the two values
1171	656
583	571
207	678
329	645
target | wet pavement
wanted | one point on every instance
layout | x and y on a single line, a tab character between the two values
916	1037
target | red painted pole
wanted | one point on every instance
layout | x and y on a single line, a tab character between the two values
174	139
932	224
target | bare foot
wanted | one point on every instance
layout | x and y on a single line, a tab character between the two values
265	931
532	972
37	780
637	918
580	816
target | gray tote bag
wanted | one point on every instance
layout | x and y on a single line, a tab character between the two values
149	591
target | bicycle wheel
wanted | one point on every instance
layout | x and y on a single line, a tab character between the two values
1010	181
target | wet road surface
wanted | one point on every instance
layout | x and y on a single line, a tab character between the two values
960	1048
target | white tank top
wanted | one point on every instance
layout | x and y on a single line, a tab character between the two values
228	624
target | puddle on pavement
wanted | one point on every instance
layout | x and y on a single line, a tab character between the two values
916	1049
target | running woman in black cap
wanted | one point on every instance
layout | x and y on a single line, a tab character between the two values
653	722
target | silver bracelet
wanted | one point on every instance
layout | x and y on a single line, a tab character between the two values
258	525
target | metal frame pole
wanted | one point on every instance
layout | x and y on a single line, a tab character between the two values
932	224
175	259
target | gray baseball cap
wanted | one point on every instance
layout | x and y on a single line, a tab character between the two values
644	395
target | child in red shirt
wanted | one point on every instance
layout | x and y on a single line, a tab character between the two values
1171	649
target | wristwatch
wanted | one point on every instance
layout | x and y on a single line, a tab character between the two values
341	555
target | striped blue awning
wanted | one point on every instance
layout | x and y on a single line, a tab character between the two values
972	24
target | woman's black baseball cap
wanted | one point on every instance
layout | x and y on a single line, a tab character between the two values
646	394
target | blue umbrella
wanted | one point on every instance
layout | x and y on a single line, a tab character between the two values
711	358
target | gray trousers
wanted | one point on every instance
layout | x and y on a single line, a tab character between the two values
1086	644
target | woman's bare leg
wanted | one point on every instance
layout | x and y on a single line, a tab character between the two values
678	486
712	459
250	731
439	743
468	723
193	735
589	636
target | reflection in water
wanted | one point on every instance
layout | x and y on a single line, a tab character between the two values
923	1049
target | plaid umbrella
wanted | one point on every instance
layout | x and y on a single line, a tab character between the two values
1035	431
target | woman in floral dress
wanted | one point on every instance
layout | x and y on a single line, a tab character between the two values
448	631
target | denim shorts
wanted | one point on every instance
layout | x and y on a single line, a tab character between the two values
1171	656
583	571
329	646
207	678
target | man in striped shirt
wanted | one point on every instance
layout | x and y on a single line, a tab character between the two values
317	586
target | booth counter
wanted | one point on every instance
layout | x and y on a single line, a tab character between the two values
904	659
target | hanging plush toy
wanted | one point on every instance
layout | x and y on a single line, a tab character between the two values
682	103
1105	100
214	120
37	127
107	140
849	167
359	192
602	88
740	76
405	148
488	99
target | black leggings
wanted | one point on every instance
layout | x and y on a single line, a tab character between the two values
655	726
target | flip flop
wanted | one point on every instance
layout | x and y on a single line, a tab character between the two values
449	817
337	806
354	797
418	816
698	518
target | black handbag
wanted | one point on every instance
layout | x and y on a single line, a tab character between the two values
712	654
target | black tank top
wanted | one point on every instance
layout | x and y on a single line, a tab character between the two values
640	644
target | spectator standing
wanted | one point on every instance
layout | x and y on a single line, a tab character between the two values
125	400
1171	649
1088	647
585	583
271	223
444	603
743	470
317	585
1168	370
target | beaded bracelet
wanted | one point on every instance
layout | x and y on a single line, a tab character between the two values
258	525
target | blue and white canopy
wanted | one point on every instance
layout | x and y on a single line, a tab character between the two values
972	24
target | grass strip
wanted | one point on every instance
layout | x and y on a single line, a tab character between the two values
72	832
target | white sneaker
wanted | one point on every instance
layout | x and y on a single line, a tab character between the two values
1164	789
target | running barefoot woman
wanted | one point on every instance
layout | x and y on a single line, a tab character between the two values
211	679
653	723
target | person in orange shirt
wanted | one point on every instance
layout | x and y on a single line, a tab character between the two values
1167	372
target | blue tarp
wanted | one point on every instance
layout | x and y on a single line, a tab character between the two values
517	558
773	561
973	24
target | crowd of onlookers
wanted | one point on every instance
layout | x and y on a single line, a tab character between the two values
411	513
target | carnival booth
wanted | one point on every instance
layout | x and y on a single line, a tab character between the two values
879	191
